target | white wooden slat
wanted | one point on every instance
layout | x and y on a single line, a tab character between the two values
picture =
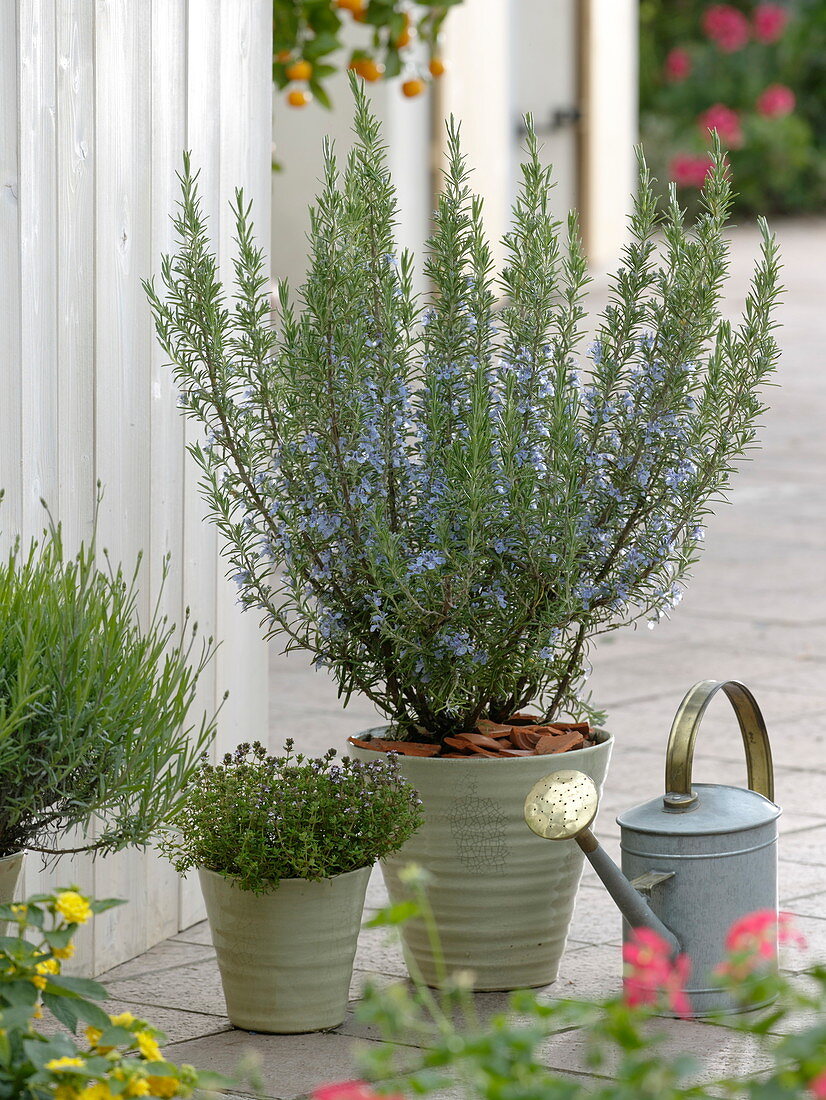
38	283
75	189
203	139
245	163
166	423
10	347
123	348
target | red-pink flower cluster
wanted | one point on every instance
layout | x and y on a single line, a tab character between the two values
350	1090
727	27
725	121
817	1086
651	975
769	22
687	170
752	941
677	65
776	101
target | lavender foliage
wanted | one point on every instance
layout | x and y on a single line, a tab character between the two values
445	499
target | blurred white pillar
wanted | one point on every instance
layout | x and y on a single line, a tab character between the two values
609	50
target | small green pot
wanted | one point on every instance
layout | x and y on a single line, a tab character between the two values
10	868
286	958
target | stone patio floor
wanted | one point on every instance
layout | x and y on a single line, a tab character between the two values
755	612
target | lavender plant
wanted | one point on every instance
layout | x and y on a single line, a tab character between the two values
259	818
444	499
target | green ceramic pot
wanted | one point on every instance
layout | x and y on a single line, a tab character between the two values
286	958
502	897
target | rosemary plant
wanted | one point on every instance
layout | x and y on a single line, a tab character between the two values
92	707
446	499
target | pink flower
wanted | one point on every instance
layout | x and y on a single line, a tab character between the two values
727	27
725	121
769	22
752	941
776	101
689	171
677	65
651	976
349	1090
817	1086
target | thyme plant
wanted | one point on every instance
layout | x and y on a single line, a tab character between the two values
445	499
258	818
93	707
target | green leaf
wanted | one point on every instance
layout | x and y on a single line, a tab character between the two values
79	987
19	992
399	913
63	1009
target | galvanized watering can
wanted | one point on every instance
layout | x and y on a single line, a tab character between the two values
695	859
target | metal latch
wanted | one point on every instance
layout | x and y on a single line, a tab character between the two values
645	883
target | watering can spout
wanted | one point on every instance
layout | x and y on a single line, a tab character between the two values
561	806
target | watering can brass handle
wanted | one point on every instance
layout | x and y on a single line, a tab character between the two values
680	752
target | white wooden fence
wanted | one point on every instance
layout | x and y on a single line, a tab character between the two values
98	98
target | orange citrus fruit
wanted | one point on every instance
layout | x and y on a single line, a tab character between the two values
298	98
412	88
299	70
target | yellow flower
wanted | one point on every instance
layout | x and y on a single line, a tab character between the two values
96	1090
163	1086
20	911
47	966
57	1065
125	1019
138	1086
93	1034
73	906
38	1013
65	1092
64	952
148	1047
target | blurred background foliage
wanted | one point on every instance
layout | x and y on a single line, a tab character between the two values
756	72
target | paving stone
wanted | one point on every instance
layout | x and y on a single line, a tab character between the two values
808	846
289	1065
164	956
798	880
379	950
812	906
195	988
596	919
719	1052
198	933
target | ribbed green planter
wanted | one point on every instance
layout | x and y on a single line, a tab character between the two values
502	897
286	958
10	868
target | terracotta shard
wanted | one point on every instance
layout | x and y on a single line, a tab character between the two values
404	748
458	743
504	751
492	729
478	739
578	727
563	743
523	720
524	739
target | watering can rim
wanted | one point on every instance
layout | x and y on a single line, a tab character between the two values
654	818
